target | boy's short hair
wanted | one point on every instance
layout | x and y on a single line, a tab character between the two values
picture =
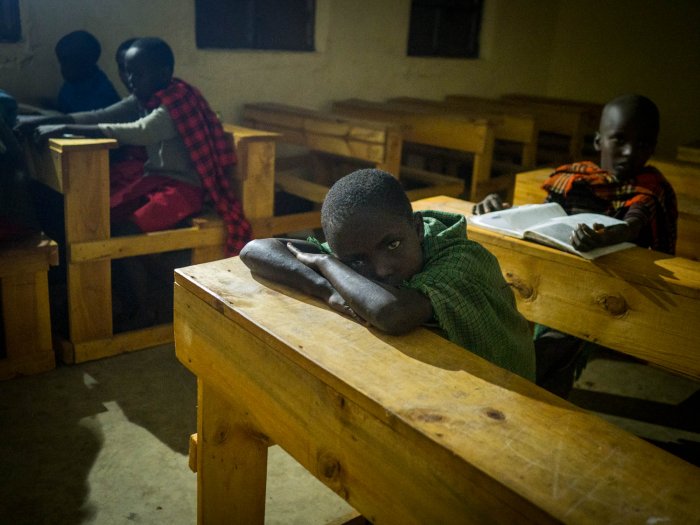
78	47
642	108
362	190
122	48
157	50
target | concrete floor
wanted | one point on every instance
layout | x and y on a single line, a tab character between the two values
106	442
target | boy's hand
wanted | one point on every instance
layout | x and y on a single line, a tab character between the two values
309	259
491	203
584	238
27	125
335	300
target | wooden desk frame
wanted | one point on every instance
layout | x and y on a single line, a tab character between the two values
408	430
24	292
79	170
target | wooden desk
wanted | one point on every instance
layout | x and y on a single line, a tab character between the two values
475	136
511	125
636	301
408	430
570	121
689	152
79	170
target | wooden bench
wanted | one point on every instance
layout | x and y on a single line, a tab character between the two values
689	152
24	305
636	301
408	430
79	170
570	121
683	176
368	142
461	134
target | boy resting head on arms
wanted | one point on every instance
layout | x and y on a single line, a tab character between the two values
623	186
397	270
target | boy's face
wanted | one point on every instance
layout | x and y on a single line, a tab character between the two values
380	245
625	142
144	78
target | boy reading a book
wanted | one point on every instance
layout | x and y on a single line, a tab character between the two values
623	186
397	270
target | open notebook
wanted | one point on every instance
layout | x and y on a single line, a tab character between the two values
547	224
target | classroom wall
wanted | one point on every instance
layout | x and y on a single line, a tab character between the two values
589	50
602	49
361	52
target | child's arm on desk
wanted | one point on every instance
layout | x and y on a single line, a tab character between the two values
270	258
391	309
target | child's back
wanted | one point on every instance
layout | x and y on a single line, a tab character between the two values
86	87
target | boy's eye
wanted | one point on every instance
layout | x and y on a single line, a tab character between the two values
393	245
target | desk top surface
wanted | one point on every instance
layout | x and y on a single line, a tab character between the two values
440	398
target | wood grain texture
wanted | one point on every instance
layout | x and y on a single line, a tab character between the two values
409	429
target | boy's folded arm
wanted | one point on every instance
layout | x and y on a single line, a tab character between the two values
270	258
391	309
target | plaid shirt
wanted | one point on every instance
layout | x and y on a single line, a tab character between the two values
211	153
472	304
585	187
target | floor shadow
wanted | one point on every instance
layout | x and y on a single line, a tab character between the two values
49	445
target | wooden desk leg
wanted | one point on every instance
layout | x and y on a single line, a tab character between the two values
231	463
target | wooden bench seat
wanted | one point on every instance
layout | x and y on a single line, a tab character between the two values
24	305
683	176
636	301
474	136
79	170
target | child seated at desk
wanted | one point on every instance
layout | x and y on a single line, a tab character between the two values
623	186
397	270
188	152
86	86
189	158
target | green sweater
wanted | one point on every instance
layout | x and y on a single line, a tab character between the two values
472	304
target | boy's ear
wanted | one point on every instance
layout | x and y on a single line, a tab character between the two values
596	141
418	223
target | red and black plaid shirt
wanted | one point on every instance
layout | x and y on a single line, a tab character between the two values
211	153
585	187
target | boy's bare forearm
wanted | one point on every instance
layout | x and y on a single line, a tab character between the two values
391	309
270	258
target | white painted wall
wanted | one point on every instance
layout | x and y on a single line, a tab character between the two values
588	50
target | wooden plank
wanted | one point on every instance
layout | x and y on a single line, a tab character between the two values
235	495
302	188
410	429
148	243
119	343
